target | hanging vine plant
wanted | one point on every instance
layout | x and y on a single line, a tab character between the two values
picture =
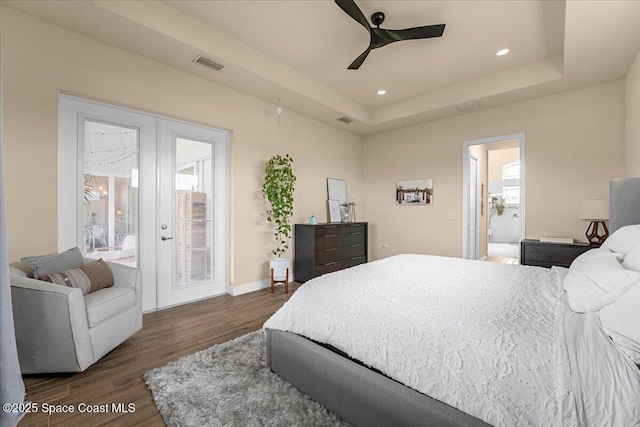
279	182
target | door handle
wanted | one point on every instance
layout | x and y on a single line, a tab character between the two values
166	238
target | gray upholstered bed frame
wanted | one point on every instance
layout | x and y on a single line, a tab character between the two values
363	397
624	203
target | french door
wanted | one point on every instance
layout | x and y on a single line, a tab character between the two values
192	212
145	191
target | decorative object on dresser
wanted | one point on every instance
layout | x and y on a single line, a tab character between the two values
337	190
596	211
325	248
278	189
547	254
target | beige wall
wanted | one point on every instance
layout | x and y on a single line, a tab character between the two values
632	123
574	146
40	61
481	153
499	157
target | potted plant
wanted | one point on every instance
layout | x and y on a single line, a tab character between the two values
278	189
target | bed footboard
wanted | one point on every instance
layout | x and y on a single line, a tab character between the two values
356	394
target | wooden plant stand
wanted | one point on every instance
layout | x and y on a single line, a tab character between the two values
285	281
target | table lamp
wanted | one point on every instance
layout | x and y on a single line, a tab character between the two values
596	211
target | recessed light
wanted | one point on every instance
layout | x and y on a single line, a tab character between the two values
382	92
502	52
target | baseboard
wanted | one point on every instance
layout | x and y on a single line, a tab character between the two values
245	288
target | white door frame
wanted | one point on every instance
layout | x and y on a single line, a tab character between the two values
465	184
477	213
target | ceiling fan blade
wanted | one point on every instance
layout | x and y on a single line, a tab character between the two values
425	32
354	11
359	60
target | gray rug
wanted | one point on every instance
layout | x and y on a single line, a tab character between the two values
230	385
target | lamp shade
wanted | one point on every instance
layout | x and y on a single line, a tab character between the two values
594	210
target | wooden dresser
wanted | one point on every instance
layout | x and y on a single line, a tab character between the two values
544	254
325	248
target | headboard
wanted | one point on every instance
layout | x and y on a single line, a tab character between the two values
624	203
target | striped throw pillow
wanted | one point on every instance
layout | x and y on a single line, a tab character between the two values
88	278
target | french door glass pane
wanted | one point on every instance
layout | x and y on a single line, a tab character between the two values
194	211
110	192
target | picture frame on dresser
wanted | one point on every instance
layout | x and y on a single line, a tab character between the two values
334	210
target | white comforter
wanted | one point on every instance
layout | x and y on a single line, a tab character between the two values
485	338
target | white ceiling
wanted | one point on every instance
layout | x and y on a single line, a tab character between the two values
299	51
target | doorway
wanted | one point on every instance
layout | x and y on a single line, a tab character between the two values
497	222
145	191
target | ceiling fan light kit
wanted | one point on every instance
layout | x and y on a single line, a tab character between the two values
380	37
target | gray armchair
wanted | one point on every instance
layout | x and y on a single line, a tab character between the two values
60	330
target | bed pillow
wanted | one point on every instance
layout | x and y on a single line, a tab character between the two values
621	321
593	285
623	240
592	254
632	260
88	278
53	263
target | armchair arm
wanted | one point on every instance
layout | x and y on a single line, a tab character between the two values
52	333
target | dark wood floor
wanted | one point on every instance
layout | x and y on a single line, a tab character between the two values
165	336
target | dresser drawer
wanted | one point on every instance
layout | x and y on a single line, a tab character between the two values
354	261
328	255
354	238
323	230
353	251
329	241
329	267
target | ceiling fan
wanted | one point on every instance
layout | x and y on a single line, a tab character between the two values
381	37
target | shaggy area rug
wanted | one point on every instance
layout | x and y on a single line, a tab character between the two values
230	385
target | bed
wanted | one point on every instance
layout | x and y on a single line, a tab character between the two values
460	345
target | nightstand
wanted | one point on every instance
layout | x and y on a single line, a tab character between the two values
545	254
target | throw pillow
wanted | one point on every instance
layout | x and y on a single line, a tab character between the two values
88	278
52	263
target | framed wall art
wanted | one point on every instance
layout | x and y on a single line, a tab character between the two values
416	192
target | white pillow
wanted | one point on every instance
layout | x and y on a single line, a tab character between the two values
621	321
632	260
592	254
591	286
623	240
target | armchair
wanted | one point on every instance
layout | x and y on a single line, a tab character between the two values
60	330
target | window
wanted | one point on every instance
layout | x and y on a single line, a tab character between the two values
511	195
511	170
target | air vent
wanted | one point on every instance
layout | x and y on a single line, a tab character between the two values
208	63
467	107
345	119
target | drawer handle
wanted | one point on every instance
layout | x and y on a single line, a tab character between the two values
330	226
357	232
331	249
331	263
355	246
330	235
357	257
